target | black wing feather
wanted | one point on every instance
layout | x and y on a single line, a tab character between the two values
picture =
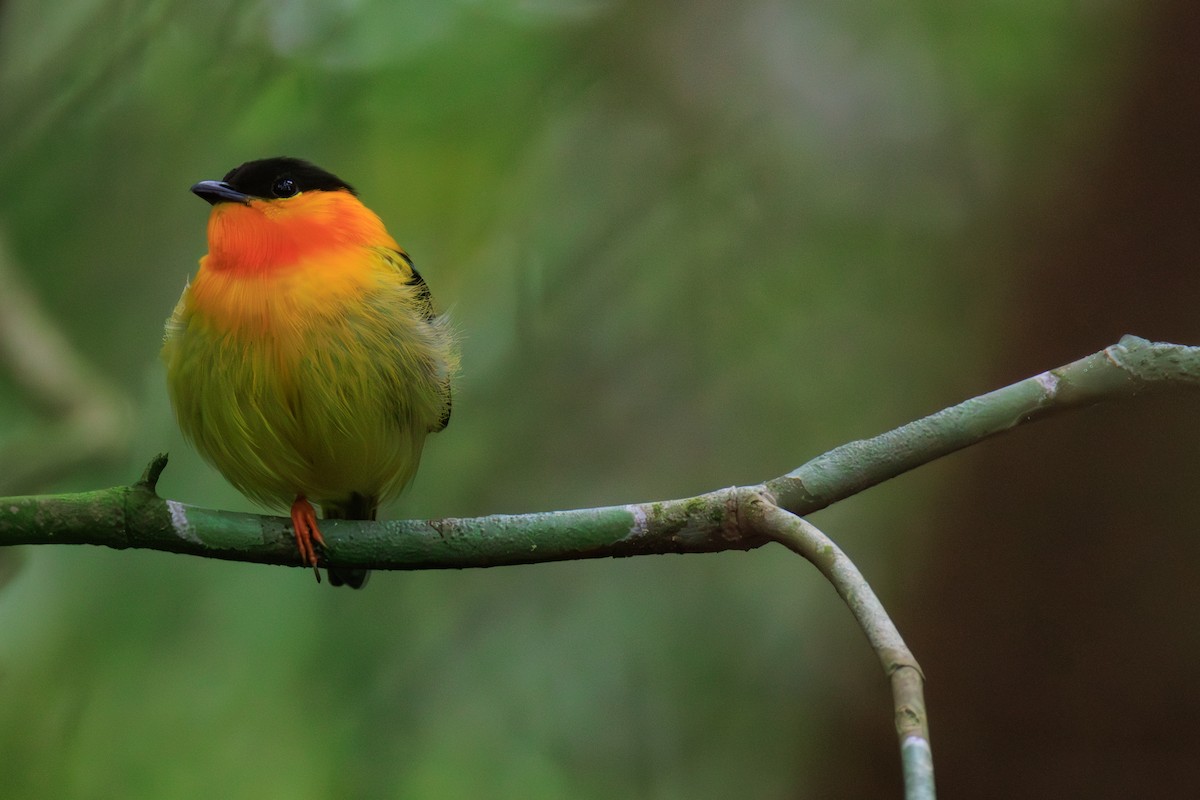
425	301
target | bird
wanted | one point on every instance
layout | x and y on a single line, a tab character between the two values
305	360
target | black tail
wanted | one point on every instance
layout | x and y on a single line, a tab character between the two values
356	506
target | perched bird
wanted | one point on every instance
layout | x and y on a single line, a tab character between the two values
305	360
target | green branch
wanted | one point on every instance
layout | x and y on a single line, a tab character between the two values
903	671
134	516
1133	366
739	518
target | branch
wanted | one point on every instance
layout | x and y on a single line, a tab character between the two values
134	516
899	665
1132	366
737	518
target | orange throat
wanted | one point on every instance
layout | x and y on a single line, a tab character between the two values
265	236
273	263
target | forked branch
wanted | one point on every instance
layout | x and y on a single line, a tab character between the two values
739	518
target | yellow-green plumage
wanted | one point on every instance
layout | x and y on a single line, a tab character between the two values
324	402
310	364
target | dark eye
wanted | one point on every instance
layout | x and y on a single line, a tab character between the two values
284	187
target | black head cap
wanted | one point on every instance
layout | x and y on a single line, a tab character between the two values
270	178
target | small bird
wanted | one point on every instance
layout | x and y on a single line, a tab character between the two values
305	360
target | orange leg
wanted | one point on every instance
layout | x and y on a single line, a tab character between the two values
308	535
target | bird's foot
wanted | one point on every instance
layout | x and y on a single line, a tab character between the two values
308	535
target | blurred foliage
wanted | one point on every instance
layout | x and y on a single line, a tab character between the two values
688	245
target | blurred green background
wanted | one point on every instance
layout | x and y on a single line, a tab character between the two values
687	245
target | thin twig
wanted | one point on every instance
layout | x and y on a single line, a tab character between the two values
899	665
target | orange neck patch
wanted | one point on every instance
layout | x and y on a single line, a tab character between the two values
267	236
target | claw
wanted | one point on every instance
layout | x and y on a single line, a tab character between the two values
308	535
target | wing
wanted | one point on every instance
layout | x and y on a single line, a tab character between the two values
424	300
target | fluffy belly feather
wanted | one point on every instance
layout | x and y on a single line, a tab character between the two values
323	401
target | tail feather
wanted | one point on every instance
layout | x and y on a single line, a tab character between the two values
356	506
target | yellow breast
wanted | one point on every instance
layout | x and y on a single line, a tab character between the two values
321	379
